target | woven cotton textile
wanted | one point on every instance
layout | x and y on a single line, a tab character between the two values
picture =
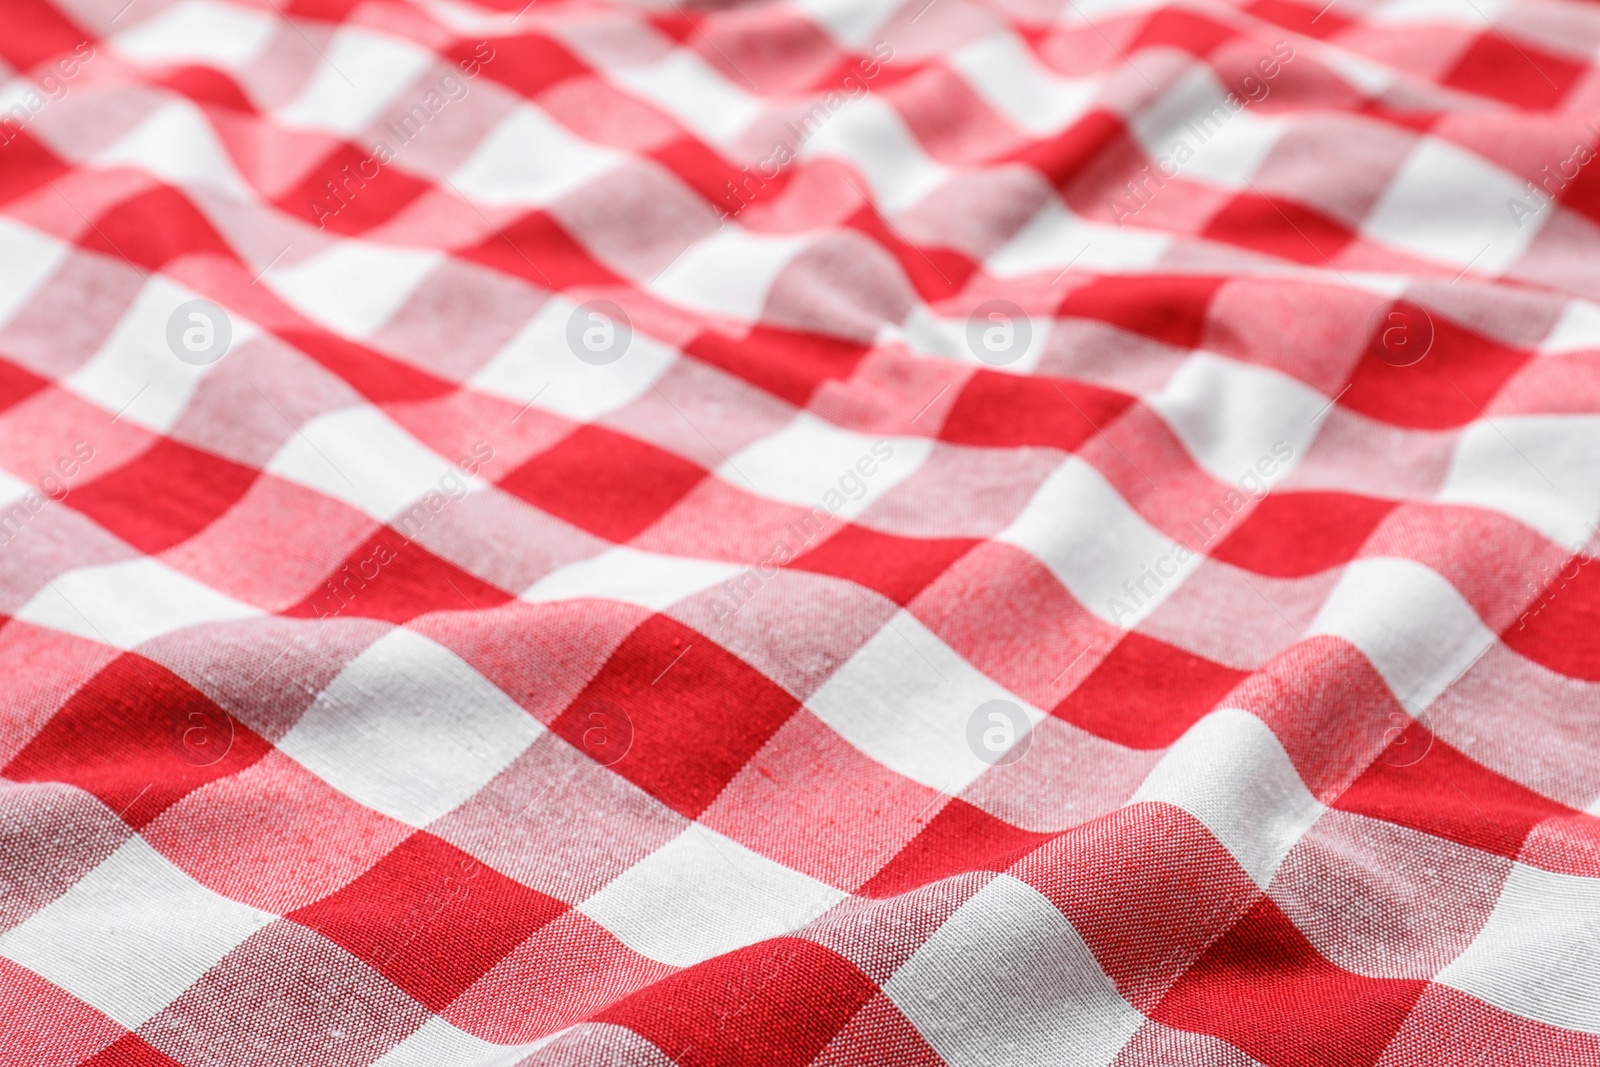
998	533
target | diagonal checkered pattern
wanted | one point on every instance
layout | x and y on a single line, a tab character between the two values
820	532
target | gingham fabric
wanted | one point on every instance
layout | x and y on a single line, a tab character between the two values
810	532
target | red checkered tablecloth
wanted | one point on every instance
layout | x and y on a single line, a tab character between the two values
988	533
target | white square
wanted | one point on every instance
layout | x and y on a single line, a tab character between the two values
928	335
1435	12
702	894
13	489
127	604
905	699
1056	239
436	1043
357	77
1538	956
1005	74
699	97
27	258
1089	12
948	338
1415	627
1577	330
1364	75
353	287
871	134
529	159
361	456
1449	205
729	272
135	373
1224	146
538	366
1007	982
200	32
1539	469
804	462
647	579
410	730
177	142
1230	414
1230	771
1079	526
1230	157
131	935
851	22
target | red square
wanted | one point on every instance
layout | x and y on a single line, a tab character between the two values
154	227
1279	227
1266	989
390	578
604	482
1442	791
529	63
777	1003
1172	310
379	378
17	384
1450	385
1081	159
140	738
431	918
700	719
933	272
702	169
1173	27
131	1051
1146	693
557	261
165	496
207	85
960	839
363	196
1006	411
1561	628
29	164
897	567
33	30
1295	535
1519	73
782	362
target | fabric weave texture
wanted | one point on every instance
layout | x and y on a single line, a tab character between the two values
799	533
